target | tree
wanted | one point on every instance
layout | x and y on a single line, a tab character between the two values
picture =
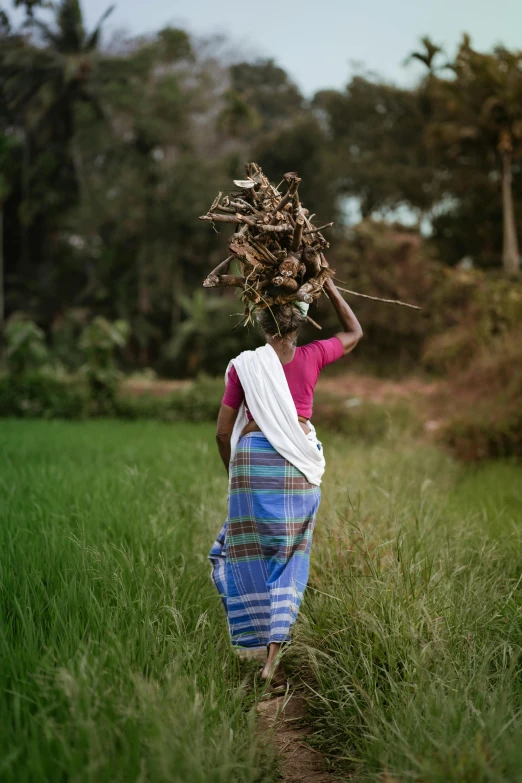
46	75
375	133
46	80
26	348
428	55
302	146
205	339
7	164
268	90
478	123
99	341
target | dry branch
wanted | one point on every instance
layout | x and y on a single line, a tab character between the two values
294	181
314	323
282	228
223	281
378	299
315	230
279	249
298	233
237	218
277	246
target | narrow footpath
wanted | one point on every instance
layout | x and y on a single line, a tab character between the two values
283	719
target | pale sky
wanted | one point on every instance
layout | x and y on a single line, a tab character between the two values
316	42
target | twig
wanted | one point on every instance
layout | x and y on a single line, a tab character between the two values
315	230
378	298
264	251
237	218
298	232
281	229
288	283
314	323
216	201
221	268
230	210
292	190
224	281
240	204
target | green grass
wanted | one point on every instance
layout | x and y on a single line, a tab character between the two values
114	657
114	661
411	640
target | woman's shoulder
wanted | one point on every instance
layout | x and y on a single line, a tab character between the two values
325	351
321	345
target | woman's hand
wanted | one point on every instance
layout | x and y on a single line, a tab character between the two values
352	328
225	424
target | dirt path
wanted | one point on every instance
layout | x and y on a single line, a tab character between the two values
369	387
431	400
283	720
157	387
429	397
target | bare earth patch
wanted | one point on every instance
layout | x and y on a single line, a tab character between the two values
430	399
378	390
283	720
160	387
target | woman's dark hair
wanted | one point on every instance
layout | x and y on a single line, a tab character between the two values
280	319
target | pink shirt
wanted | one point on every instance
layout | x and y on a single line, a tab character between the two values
301	373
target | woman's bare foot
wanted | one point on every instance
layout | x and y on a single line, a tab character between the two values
273	671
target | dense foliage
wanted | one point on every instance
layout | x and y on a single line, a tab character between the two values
109	151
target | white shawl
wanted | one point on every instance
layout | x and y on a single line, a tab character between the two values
272	407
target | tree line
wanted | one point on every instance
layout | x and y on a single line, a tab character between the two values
109	152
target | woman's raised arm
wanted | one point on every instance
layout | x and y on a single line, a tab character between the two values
352	328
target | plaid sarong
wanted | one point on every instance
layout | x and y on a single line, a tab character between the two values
261	557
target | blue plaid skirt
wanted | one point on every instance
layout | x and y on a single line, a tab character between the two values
261	558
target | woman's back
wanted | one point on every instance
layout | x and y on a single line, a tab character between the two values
301	374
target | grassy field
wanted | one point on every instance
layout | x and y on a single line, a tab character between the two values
411	645
114	661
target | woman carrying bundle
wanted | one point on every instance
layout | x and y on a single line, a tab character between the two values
260	560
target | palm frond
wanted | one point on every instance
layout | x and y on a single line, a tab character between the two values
50	37
70	26
93	39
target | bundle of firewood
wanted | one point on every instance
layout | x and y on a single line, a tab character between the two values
279	249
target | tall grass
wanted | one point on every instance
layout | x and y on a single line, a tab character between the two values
410	639
114	657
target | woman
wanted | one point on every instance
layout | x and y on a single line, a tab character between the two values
260	559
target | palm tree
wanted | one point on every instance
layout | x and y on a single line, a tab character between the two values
205	337
427	55
478	116
6	163
44	78
45	75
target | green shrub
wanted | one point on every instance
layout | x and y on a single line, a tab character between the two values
25	345
470	310
99	341
486	420
474	438
39	395
363	420
393	263
66	331
200	402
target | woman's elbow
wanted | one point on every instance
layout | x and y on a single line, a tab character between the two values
222	436
350	339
